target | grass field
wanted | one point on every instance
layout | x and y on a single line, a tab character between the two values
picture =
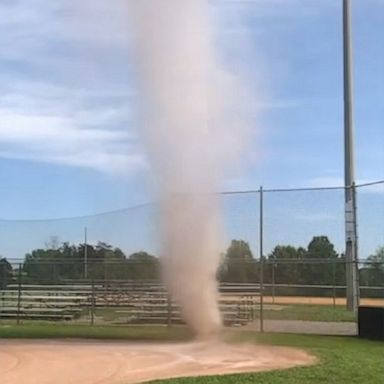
278	312
308	312
342	360
58	331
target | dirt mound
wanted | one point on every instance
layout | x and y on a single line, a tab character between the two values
67	362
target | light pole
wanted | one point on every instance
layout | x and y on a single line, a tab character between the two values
349	172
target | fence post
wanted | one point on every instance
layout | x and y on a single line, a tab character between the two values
169	310
93	303
273	282
356	244
334	282
85	253
261	263
18	295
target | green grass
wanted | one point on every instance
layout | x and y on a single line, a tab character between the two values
306	312
47	331
327	313
113	314
342	360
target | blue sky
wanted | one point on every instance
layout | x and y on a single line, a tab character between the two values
68	144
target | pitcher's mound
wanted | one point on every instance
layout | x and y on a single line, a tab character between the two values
67	362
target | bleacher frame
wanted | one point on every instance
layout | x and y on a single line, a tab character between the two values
139	302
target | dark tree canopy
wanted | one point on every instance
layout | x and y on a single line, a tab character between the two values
321	248
317	264
239	266
6	272
103	262
144	266
284	259
372	273
239	250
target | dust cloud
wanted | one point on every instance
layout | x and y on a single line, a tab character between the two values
185	99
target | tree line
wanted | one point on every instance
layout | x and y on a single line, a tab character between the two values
70	262
317	264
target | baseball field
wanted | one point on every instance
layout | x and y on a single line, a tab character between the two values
67	354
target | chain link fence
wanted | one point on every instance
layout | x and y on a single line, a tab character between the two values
283	264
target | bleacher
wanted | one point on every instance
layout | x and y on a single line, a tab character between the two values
43	302
136	302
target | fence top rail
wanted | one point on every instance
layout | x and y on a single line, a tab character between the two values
78	261
329	286
124	282
47	286
128	262
153	203
225	287
48	297
302	189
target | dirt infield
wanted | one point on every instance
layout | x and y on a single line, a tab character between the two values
70	362
318	300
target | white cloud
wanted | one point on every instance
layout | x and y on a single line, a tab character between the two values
62	125
61	140
41	122
32	128
62	99
112	163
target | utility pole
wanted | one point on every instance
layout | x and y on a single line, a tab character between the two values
349	172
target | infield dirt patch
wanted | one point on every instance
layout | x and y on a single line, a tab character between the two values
67	362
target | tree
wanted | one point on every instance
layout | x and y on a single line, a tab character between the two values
373	272
324	264
6	272
321	248
285	259
70	261
67	262
239	250
239	265
318	264
107	263
41	265
143	266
